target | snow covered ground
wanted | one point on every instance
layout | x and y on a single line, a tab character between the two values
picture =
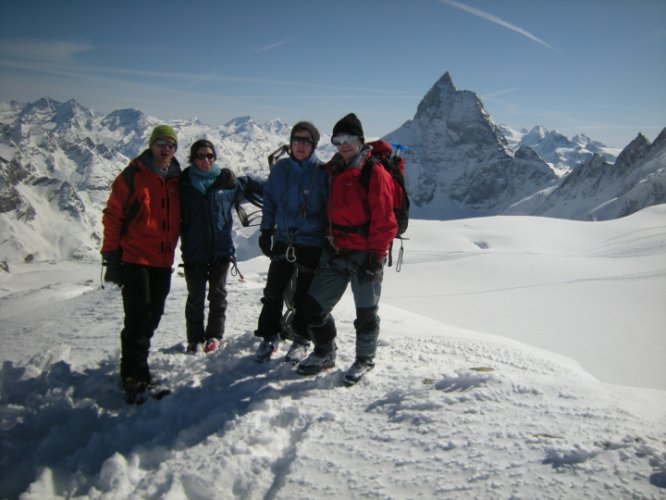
519	358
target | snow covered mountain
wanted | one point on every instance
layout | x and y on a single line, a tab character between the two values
462	165
598	190
560	152
57	162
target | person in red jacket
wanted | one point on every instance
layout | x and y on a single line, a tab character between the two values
141	229
361	225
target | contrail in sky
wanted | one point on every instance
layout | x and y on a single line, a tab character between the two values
272	45
496	20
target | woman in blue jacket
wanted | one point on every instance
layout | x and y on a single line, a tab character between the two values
292	235
208	194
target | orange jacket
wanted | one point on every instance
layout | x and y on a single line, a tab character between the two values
151	235
352	205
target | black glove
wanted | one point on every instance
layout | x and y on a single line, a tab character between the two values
266	241
371	270
114	267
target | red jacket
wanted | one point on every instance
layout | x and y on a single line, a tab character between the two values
152	233
352	205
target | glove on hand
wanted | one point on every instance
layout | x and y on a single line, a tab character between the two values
114	267
266	241
371	270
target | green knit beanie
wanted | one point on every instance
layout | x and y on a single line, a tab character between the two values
163	131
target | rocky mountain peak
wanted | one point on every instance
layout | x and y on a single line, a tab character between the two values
635	150
660	141
534	136
560	152
40	110
444	102
460	161
125	119
445	84
72	114
527	153
240	123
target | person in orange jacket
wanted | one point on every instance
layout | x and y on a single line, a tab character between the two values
141	229
360	228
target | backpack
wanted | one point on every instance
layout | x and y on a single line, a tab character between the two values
394	165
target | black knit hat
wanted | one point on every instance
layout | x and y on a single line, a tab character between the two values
349	124
308	127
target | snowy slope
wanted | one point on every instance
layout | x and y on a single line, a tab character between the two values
464	402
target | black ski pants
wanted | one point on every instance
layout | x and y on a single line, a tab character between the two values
198	277
144	293
280	272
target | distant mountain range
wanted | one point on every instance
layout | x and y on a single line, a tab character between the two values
57	162
560	152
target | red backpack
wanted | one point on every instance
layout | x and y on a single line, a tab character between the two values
394	164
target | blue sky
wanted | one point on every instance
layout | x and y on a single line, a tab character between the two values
596	67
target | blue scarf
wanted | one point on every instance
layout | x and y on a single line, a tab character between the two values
203	180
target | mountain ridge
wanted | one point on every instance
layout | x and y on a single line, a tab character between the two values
58	160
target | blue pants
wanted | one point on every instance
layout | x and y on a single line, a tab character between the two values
336	271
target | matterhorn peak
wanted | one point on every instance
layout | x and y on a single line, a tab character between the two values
442	98
460	108
446	82
460	159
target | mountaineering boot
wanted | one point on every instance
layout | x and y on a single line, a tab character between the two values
360	367
135	390
138	391
212	345
322	358
266	349
157	390
297	352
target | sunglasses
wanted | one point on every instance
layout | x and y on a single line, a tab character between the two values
302	140
165	144
339	140
207	156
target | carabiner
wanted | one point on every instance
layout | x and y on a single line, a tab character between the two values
290	254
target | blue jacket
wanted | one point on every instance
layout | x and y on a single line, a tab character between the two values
294	202
206	220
